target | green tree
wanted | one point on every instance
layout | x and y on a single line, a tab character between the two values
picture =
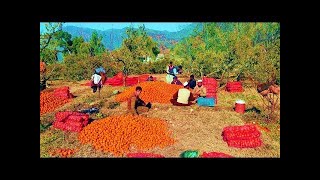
135	48
229	50
48	43
96	46
64	41
76	43
51	30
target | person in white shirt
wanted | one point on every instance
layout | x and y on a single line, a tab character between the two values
96	82
183	97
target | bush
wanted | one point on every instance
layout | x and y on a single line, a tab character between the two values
80	67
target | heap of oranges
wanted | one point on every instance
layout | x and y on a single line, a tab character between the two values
49	102
160	92
64	153
118	134
42	66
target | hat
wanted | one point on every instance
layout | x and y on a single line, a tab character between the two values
185	83
199	80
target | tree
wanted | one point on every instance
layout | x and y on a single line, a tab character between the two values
135	48
85	48
51	30
96	46
139	43
76	43
64	41
231	50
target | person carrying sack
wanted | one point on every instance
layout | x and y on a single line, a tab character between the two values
96	82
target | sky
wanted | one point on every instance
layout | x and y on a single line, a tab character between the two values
170	26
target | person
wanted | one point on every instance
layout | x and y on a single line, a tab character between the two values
170	68
102	72
179	69
192	82
199	90
150	78
183	97
136	105
96	82
176	81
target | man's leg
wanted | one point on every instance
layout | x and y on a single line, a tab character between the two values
142	109
99	88
94	89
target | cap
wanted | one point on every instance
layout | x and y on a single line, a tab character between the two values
185	83
199	80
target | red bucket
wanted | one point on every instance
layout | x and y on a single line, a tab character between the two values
240	107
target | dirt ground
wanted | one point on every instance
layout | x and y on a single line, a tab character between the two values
193	127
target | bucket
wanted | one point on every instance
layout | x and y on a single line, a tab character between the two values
240	106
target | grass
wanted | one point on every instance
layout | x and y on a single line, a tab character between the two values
194	127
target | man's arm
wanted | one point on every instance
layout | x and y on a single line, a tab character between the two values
203	92
196	90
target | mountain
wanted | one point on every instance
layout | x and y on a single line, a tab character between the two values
112	38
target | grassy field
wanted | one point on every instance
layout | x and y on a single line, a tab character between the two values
194	127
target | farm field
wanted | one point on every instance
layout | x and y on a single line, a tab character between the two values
192	127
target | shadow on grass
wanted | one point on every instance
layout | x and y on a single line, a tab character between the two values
253	109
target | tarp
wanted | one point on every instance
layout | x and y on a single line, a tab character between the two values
100	69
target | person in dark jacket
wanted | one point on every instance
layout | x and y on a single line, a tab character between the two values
192	82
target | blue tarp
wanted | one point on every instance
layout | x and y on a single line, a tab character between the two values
205	101
100	69
90	110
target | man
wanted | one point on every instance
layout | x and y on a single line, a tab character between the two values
96	82
102	72
171	72
192	82
170	68
150	78
199	90
176	81
137	106
183	97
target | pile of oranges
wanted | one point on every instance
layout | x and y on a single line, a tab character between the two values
49	102
64	153
42	66
160	92
118	134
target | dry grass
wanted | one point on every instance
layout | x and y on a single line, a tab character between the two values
194	127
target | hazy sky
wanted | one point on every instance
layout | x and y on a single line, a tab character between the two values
170	26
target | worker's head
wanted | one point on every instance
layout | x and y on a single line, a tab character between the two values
138	90
199	83
186	84
170	63
192	76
